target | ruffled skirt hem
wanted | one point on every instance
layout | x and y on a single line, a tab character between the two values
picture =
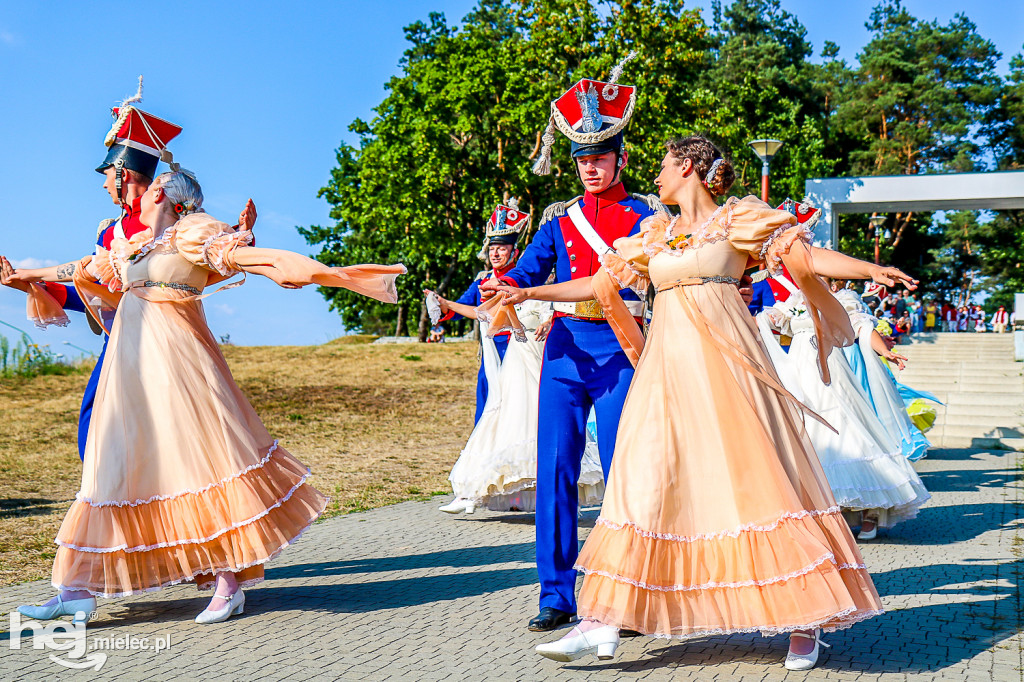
799	572
114	550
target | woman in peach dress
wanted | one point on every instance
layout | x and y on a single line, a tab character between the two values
717	517
181	481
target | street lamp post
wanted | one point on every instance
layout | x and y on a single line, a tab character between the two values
765	150
84	350
876	225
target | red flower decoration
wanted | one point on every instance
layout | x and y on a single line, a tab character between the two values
179	209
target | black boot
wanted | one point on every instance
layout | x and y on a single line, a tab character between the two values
550	618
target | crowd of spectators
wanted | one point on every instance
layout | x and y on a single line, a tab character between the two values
905	312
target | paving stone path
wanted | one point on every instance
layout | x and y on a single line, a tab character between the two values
409	593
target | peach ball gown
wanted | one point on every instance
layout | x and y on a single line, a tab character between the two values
717	517
181	479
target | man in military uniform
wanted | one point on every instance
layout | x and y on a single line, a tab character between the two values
501	234
583	365
136	143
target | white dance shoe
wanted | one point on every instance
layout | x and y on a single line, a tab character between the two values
805	661
62	608
459	505
868	534
235	604
601	642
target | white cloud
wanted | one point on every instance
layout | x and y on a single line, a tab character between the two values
223	309
8	38
30	263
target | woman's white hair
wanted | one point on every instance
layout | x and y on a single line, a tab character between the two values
182	189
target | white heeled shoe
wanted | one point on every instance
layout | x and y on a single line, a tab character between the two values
62	608
235	605
805	661
868	534
601	642
459	505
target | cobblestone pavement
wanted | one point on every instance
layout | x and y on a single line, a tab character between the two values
406	592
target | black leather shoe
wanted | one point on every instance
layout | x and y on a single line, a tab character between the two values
630	633
550	618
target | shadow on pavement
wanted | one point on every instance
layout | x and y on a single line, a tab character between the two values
486	555
950	632
380	595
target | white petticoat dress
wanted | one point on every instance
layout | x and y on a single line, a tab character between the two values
498	466
863	462
877	382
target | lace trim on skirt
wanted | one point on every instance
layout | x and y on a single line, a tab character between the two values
734	533
827	557
216	484
190	541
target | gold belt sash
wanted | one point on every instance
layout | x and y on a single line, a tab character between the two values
591	309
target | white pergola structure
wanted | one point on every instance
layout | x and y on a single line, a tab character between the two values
901	193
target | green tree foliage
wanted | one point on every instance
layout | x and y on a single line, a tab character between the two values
764	86
459	127
461	123
1002	266
921	93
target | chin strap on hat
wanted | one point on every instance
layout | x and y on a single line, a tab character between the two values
118	180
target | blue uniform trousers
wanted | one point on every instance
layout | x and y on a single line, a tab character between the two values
501	343
583	366
85	415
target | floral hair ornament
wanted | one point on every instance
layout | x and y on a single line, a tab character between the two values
710	177
179	208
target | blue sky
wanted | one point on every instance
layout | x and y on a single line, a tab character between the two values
265	92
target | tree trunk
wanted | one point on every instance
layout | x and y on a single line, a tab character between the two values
424	324
401	320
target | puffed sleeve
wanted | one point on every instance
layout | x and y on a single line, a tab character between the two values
768	235
764	233
209	243
627	265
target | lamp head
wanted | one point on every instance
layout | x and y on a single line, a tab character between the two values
765	149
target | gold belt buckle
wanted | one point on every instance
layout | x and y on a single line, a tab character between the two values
589	309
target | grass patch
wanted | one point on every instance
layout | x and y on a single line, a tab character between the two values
374	432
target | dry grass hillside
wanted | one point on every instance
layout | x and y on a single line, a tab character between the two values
377	424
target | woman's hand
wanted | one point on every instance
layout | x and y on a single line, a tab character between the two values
247	218
9	276
513	295
543	329
898	360
890	276
441	300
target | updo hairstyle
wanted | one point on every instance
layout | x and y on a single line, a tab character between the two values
711	166
183	191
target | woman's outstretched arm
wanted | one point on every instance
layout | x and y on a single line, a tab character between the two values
289	269
574	290
829	263
456	307
54	273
